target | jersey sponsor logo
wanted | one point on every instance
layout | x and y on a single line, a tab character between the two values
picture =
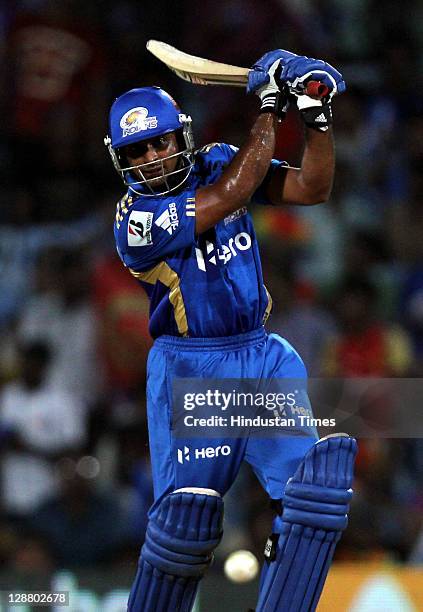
183	454
168	220
137	120
207	452
235	215
241	242
139	228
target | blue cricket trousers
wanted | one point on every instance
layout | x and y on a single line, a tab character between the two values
252	355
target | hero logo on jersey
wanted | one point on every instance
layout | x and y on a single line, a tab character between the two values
139	228
168	220
207	452
137	120
241	242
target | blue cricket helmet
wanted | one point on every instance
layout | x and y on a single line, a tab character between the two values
146	113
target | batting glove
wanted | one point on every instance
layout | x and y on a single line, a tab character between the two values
259	73
274	99
296	71
315	113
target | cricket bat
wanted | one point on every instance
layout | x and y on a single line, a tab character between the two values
202	71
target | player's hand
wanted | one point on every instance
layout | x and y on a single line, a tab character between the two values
259	73
274	99
315	113
298	70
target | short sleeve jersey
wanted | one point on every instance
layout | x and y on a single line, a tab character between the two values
209	285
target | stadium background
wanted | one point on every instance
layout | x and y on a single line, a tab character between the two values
346	277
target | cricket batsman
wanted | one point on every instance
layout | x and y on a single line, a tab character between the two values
184	232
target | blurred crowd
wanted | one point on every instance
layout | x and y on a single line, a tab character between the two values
346	277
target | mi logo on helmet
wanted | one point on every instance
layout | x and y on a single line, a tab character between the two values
207	452
137	120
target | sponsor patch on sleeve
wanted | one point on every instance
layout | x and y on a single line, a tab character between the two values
139	228
168	220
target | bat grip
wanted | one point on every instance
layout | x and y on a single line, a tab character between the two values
316	89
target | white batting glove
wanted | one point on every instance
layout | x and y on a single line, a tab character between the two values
273	100
315	113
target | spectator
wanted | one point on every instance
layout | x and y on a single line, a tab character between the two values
299	318
365	345
121	308
56	80
61	314
38	423
82	525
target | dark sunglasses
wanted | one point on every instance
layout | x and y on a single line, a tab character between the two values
139	149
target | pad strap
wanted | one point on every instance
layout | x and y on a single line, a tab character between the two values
316	506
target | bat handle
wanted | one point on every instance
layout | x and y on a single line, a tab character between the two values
316	89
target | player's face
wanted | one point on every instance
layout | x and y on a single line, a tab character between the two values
153	150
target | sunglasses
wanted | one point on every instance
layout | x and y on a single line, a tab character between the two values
139	149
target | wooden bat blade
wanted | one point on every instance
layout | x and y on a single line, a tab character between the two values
211	79
202	71
197	69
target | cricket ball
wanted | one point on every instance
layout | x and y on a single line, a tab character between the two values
241	566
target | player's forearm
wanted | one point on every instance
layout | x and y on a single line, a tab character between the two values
312	183
317	167
241	178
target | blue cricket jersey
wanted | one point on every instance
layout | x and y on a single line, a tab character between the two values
199	286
